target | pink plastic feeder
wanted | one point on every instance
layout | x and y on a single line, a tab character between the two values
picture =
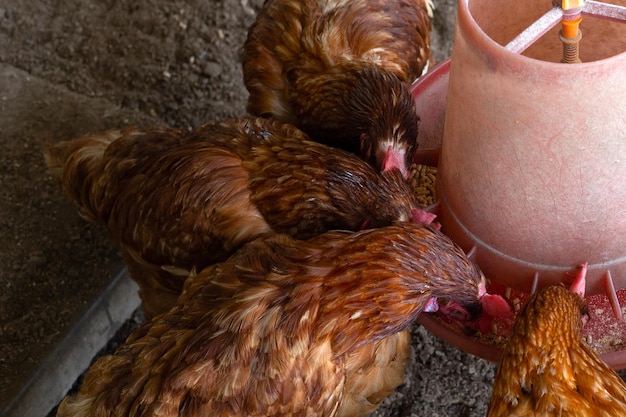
532	155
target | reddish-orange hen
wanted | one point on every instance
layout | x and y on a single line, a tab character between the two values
285	328
343	67
547	370
175	200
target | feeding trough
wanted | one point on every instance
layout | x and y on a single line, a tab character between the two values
527	121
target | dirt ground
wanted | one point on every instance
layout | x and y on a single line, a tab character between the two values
73	66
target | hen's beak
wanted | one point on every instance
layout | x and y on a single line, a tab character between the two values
394	159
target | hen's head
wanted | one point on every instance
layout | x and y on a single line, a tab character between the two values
479	301
555	311
457	285
476	307
388	119
487	307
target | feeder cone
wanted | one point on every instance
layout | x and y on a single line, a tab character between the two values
532	164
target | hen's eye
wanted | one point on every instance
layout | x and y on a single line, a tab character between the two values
584	314
584	318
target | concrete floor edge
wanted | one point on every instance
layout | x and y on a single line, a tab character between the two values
71	357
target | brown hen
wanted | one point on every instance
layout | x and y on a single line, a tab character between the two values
342	67
178	199
285	328
548	370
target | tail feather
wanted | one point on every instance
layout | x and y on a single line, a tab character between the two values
77	166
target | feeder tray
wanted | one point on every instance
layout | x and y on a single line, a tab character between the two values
531	157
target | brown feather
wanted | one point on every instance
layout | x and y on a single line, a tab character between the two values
178	199
284	327
340	67
548	370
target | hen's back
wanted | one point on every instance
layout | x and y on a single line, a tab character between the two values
182	199
319	37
